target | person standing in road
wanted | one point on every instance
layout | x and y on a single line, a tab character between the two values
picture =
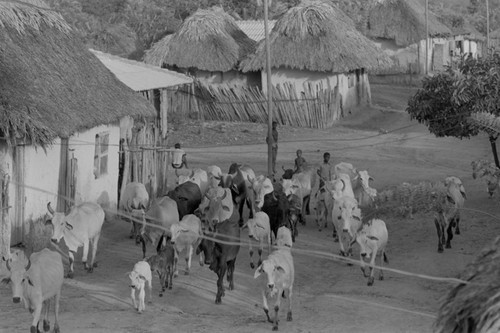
274	144
179	160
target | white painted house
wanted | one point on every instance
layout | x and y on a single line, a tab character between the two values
315	47
60	117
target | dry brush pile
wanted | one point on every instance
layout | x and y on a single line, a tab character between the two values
474	307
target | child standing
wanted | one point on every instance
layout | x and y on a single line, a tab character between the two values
179	157
299	162
325	170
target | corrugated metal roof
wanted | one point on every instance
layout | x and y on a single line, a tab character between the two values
140	76
255	28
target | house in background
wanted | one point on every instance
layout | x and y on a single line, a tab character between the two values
157	85
315	48
466	40
61	113
255	28
398	27
208	46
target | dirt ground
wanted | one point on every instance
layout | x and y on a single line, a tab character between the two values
329	296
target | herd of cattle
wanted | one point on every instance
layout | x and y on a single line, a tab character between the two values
196	217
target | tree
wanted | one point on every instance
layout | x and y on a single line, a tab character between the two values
453	103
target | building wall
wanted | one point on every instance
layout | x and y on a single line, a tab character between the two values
103	190
354	89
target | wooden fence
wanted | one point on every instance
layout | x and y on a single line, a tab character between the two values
5	225
316	107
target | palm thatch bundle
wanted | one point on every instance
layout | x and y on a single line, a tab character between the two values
474	307
403	21
208	40
317	36
51	85
406	198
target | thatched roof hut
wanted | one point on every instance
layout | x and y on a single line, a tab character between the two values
51	85
403	21
474	307
208	40
317	36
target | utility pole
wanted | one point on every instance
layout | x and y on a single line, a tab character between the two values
487	26
426	37
269	94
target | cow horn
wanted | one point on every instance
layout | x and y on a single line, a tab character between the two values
224	196
343	183
51	211
192	173
28	265
7	263
283	167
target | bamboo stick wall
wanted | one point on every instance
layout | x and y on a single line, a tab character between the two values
316	107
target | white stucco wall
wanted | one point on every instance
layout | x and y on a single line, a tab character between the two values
102	190
42	173
326	80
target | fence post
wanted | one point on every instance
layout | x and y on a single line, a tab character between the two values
5	227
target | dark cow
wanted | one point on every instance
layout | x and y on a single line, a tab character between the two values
220	256
293	214
276	206
237	181
287	173
187	196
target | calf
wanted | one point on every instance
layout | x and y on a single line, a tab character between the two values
220	256
186	235
36	283
301	185
284	237
138	278
372	238
280	276
164	264
276	206
260	230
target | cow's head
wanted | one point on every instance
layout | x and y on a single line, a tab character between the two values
287	173
59	223
367	243
294	208
290	186
137	280
273	272
220	207
350	214
491	184
261	186
364	178
453	181
19	277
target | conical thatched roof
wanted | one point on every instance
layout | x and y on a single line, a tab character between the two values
474	307
51	85
208	40
317	36
403	21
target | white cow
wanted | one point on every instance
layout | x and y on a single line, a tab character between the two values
301	185
280	273
37	282
360	183
140	275
259	229
284	237
214	174
186	235
81	227
348	217
260	186
198	177
372	239
134	197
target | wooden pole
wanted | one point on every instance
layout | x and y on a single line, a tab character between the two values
487	26
269	93
426	36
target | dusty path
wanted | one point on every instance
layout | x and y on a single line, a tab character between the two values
329	296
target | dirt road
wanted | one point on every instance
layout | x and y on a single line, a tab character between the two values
329	295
